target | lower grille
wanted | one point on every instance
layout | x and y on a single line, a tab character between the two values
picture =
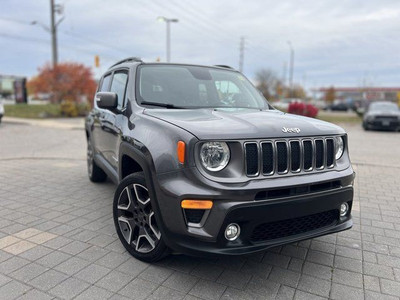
194	215
291	227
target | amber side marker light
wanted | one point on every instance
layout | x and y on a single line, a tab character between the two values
196	204
180	151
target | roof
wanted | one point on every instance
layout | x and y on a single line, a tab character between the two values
138	60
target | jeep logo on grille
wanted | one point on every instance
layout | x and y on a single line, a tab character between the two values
291	130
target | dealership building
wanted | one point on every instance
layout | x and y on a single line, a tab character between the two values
364	93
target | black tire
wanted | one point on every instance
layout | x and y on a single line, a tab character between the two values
135	222
365	126
96	174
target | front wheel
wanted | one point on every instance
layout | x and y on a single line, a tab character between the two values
135	221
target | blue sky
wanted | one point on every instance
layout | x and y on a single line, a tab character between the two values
341	43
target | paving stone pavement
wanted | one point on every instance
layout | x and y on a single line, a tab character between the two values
57	238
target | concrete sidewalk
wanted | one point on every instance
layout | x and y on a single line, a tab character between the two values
59	123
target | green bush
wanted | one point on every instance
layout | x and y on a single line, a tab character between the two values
33	111
73	109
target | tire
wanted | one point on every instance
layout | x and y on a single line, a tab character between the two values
96	174
365	126
135	221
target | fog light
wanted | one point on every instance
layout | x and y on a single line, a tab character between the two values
232	232
344	208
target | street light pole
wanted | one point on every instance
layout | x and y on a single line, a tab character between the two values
291	66
168	23
168	41
241	55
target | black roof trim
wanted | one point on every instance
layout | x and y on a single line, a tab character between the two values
224	66
136	59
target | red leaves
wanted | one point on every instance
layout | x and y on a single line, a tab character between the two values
300	108
67	81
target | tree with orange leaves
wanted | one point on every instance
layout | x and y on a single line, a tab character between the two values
66	82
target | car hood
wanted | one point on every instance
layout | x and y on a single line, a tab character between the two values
242	123
383	113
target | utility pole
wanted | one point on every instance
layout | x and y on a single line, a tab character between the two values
53	32
291	66
54	9
241	54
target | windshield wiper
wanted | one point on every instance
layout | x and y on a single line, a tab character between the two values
166	105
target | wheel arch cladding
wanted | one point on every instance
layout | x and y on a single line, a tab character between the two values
129	166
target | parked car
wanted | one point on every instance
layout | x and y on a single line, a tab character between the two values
205	165
338	105
382	115
283	104
1	109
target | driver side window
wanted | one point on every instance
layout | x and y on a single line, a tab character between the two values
105	84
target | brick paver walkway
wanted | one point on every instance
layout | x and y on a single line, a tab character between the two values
57	238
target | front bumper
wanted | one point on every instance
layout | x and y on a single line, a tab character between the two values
381	124
245	205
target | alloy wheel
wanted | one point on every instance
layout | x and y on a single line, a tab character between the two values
136	218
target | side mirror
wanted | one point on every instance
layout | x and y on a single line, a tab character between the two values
106	100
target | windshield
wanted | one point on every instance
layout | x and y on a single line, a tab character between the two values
196	87
383	106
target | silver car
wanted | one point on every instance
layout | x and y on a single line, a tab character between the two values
382	115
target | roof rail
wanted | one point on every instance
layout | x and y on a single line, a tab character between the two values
137	59
224	66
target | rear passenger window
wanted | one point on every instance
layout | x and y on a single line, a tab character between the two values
105	83
118	86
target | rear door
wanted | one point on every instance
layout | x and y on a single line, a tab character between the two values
100	115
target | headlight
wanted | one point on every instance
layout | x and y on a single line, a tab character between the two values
339	147
214	156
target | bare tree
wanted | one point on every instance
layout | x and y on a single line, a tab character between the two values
268	83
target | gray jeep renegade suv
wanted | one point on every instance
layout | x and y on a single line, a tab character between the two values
205	165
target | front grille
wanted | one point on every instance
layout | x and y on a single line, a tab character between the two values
319	154
252	159
267	157
282	153
295	155
289	156
292	227
308	155
386	118
330	152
